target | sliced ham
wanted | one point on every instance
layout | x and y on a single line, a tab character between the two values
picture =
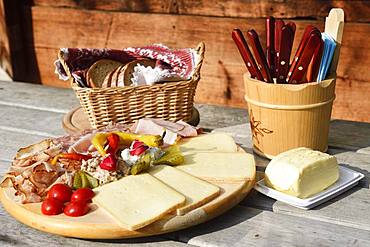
188	130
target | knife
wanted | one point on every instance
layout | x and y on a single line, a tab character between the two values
270	44
259	55
278	26
283	52
246	54
313	68
308	46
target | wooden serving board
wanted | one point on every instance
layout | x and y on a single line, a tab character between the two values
76	120
98	224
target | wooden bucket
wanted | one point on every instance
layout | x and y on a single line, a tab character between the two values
286	116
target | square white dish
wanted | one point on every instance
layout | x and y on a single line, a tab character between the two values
347	179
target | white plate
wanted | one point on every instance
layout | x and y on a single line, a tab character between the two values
347	179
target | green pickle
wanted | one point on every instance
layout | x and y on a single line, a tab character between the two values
172	157
84	180
142	165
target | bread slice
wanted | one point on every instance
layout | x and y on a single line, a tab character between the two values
196	191
112	78
137	200
220	167
125	77
99	70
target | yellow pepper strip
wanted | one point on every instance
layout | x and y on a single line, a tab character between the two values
150	140
99	141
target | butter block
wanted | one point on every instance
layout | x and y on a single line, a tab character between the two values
137	200
302	172
214	142
196	191
223	167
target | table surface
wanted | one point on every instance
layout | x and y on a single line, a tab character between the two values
29	113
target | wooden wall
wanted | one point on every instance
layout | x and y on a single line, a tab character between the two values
47	25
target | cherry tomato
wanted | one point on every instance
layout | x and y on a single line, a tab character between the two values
82	195
61	192
52	206
75	209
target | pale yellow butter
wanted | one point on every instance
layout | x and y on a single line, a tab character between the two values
302	172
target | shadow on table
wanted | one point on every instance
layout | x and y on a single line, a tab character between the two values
233	217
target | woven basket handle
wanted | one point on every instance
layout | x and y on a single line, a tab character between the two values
200	49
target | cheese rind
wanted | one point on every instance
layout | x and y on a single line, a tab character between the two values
214	142
223	167
302	172
137	200
196	191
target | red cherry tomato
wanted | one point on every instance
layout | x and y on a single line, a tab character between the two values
82	195
61	192
52	206
75	209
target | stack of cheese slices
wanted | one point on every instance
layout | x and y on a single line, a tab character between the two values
137	201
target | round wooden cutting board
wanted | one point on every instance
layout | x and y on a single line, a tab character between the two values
76	120
98	224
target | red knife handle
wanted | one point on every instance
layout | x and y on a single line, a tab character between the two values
292	26
303	61
308	30
270	44
313	68
246	54
259	55
278	26
283	56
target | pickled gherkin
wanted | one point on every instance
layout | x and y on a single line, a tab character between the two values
142	165
172	157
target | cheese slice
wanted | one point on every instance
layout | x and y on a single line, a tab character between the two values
223	167
138	200
302	172
214	142
196	191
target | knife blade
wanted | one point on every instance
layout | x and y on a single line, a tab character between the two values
259	55
246	54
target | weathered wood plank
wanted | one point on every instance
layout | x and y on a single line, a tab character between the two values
16	234
39	97
252	227
29	121
223	68
349	135
355	10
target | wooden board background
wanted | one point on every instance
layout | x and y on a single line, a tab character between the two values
47	25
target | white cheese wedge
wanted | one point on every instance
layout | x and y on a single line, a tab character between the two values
196	191
138	200
223	167
302	172
214	142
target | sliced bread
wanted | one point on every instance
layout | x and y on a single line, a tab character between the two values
97	72
124	78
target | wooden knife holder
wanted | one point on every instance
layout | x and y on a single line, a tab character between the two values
286	116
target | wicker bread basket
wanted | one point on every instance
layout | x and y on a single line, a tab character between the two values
170	101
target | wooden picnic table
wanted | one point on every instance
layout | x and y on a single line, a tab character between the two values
29	113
